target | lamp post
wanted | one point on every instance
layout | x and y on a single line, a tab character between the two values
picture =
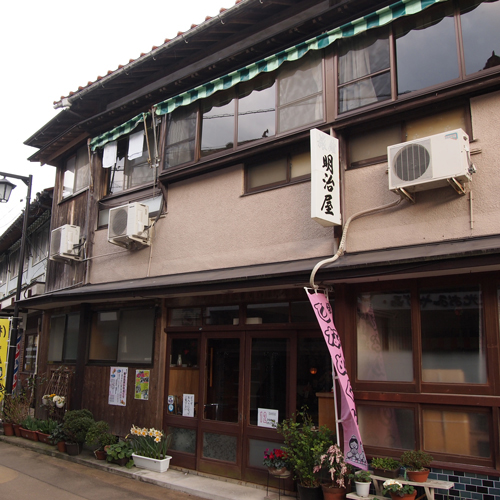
6	188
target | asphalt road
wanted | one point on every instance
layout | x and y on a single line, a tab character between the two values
26	475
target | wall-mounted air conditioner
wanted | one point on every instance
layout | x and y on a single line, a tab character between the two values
64	243
129	225
431	162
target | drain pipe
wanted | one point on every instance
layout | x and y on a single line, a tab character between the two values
340	251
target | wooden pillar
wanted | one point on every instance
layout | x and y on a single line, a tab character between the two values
81	358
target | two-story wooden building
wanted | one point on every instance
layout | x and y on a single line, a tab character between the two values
183	239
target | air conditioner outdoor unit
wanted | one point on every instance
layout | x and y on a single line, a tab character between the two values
431	162
64	243
129	225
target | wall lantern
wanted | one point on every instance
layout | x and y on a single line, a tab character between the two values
6	188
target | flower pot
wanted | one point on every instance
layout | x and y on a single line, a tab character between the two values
151	463
17	429
120	461
8	429
60	405
61	446
27	434
43	438
390	474
362	489
74	449
409	496
283	472
100	454
334	493
419	476
307	493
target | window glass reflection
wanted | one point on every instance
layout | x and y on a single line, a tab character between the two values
426	49
218	124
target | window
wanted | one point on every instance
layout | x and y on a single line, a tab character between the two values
4	266
269	104
40	244
133	167
123	336
14	263
279	171
63	338
370	147
30	348
76	172
427	48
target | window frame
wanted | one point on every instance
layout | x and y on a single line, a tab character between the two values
119	311
62	358
463	77
78	168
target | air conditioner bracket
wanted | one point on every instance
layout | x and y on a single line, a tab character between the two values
457	186
405	194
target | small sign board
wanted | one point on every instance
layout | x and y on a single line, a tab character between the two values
267	418
188	405
325	179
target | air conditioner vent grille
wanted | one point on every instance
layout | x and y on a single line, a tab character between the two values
119	222
411	162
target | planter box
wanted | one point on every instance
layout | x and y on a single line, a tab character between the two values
151	463
391	474
27	434
43	438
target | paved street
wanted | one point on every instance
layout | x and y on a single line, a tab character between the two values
25	475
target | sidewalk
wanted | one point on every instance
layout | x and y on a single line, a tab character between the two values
187	481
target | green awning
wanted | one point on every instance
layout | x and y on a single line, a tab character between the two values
376	19
112	135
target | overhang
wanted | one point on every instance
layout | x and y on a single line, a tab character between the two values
451	257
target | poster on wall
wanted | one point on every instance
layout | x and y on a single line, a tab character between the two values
142	385
4	350
118	377
267	417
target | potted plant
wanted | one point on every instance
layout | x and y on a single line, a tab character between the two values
29	428
276	462
304	443
45	429
416	463
398	490
333	463
385	467
15	410
59	437
99	435
120	453
59	401
76	425
150	448
362	479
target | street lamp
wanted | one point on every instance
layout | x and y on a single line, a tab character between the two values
6	188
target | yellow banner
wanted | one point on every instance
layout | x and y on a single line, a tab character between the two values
4	350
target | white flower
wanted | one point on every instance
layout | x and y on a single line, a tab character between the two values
389	482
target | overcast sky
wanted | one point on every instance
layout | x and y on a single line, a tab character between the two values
50	48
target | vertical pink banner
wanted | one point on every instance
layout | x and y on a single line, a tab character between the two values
353	447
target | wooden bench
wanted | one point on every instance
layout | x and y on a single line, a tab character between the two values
429	487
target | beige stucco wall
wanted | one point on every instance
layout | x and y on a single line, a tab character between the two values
210	225
438	214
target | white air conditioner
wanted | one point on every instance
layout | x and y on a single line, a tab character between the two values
64	243
431	162
129	224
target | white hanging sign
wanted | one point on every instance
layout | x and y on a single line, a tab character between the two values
118	377
267	417
325	179
188	405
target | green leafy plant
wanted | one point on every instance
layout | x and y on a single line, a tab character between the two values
46	426
396	488
58	434
363	476
385	463
304	444
99	434
76	425
30	423
120	450
149	443
416	460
